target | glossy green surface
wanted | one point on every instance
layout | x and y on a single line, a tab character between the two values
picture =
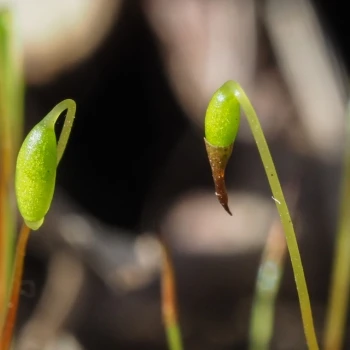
222	118
36	174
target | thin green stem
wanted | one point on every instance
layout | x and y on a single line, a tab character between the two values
339	292
268	283
283	211
13	75
67	126
7	157
13	99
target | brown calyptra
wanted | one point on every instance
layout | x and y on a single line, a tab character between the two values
218	158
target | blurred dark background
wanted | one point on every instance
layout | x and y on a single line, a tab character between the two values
142	73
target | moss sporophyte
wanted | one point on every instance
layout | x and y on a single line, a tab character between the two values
222	122
35	180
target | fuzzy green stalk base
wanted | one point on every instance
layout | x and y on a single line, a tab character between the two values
173	334
266	289
339	293
283	211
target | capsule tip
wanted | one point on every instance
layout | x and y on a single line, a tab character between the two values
222	196
34	225
226	207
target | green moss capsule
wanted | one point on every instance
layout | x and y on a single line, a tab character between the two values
36	174
37	162
222	118
222	122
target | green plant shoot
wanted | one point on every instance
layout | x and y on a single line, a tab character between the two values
36	165
222	113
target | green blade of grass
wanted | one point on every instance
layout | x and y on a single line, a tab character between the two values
11	128
6	156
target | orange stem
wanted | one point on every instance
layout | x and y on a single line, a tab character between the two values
169	302
3	232
5	341
5	183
